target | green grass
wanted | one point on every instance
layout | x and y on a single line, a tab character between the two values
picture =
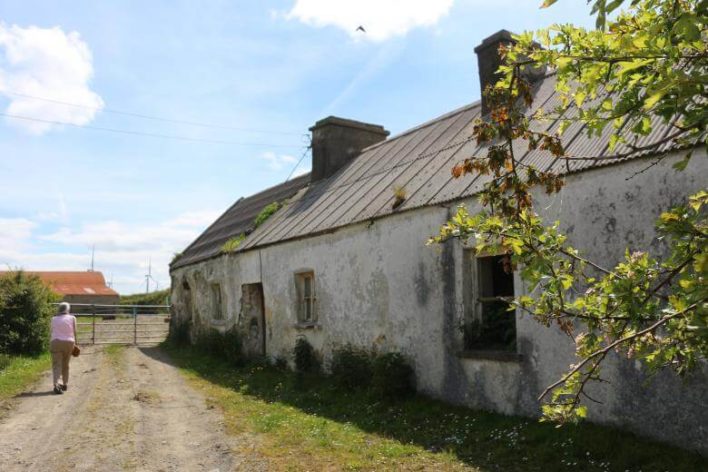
308	423
21	371
114	355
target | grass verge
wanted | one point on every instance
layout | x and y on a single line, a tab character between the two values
21	371
309	424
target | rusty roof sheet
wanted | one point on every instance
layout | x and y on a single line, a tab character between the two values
419	160
73	283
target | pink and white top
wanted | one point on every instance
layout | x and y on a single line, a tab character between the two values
63	327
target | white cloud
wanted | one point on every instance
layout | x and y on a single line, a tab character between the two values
122	250
382	19
47	63
278	162
14	233
61	214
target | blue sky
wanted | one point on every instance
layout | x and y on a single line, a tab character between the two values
261	72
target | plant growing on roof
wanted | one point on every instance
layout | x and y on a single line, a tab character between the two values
175	257
233	243
399	196
644	67
266	213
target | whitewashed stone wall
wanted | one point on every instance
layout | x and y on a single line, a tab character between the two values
379	287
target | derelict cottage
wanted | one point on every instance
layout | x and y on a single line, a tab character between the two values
344	261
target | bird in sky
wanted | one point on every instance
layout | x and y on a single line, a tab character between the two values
361	28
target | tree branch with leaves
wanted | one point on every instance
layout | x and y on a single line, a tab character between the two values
641	68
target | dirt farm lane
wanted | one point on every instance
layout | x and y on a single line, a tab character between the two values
126	409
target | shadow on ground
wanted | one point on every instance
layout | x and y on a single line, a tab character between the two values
35	394
485	440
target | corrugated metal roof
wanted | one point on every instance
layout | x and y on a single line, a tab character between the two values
74	283
236	220
419	160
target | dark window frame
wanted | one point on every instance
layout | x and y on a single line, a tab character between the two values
488	325
305	287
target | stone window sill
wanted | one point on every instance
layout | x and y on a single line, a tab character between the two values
500	356
308	325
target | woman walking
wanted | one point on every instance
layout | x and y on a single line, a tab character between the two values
61	346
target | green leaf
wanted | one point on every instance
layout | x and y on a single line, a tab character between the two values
629	66
579	98
653	99
687	27
681	165
548	3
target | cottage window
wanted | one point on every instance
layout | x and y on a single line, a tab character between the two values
489	284
217	306
306	306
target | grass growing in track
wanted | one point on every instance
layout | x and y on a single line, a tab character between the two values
309	424
19	372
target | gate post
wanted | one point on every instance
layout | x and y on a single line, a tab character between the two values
93	324
135	325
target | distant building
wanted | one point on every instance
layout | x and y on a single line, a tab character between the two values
79	287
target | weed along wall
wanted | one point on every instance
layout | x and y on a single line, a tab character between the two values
376	286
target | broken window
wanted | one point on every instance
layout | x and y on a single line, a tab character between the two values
218	311
489	287
305	285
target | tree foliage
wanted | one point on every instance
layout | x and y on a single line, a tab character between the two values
641	68
25	311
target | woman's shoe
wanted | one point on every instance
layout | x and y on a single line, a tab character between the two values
63	387
57	390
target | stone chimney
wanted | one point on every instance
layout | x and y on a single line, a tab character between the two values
335	141
488	62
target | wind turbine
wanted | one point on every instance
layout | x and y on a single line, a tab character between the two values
149	277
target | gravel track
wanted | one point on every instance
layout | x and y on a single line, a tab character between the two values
128	409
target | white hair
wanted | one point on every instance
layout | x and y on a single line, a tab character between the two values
64	308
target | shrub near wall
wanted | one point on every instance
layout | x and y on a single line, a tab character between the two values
393	377
25	311
351	368
389	376
305	358
227	345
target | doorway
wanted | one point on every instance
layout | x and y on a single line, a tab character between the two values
253	319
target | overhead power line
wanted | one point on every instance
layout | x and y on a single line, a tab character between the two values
149	135
299	162
151	117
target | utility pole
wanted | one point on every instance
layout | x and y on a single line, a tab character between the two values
93	252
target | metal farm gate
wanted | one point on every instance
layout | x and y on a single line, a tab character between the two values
121	324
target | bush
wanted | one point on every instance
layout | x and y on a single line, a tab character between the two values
231	346
25	311
280	363
226	346
392	377
305	358
351	368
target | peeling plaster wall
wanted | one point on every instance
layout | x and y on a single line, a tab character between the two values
379	287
